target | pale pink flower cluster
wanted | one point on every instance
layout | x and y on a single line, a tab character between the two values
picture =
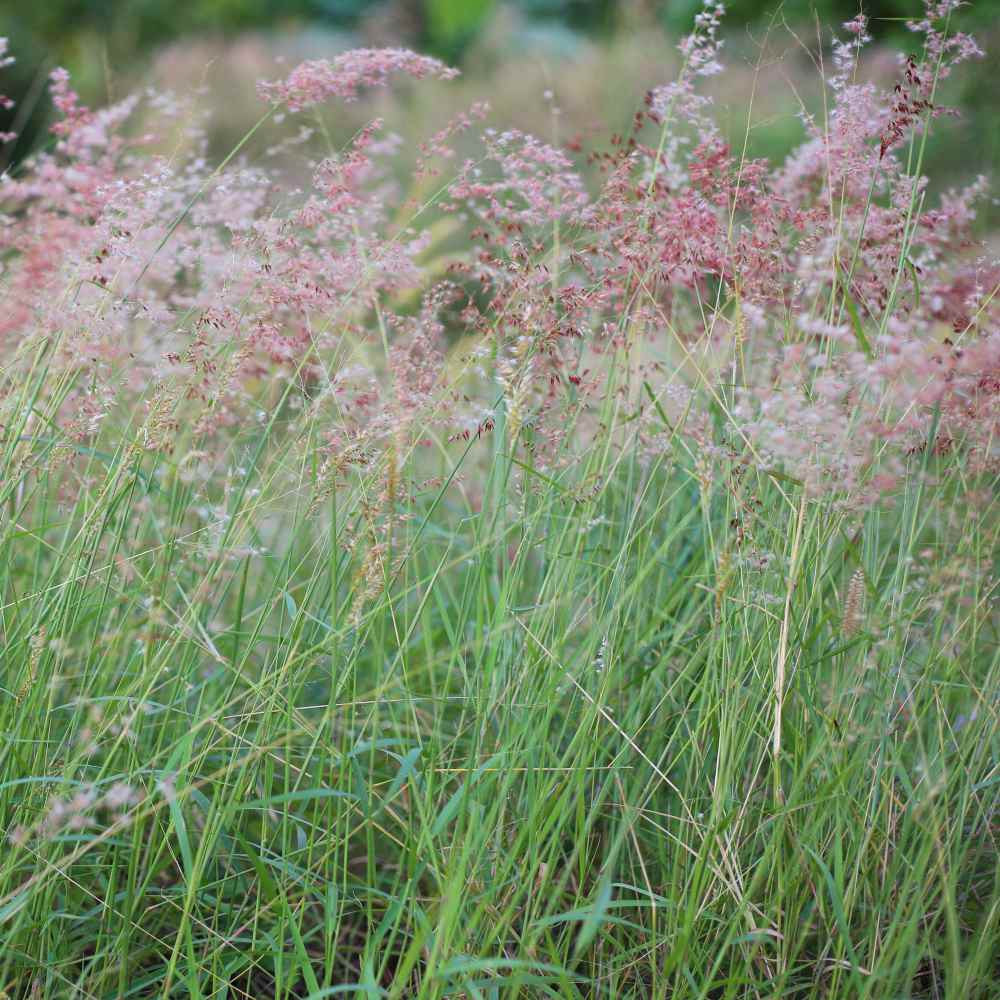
701	48
533	184
318	80
845	318
945	48
83	809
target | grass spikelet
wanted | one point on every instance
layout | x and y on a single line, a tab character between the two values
852	615
36	649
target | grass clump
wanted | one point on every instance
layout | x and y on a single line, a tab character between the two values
492	587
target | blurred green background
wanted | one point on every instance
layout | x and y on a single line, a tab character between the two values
444	27
597	55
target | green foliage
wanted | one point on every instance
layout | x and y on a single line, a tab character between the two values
547	758
450	24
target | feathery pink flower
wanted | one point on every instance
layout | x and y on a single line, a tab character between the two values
318	80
